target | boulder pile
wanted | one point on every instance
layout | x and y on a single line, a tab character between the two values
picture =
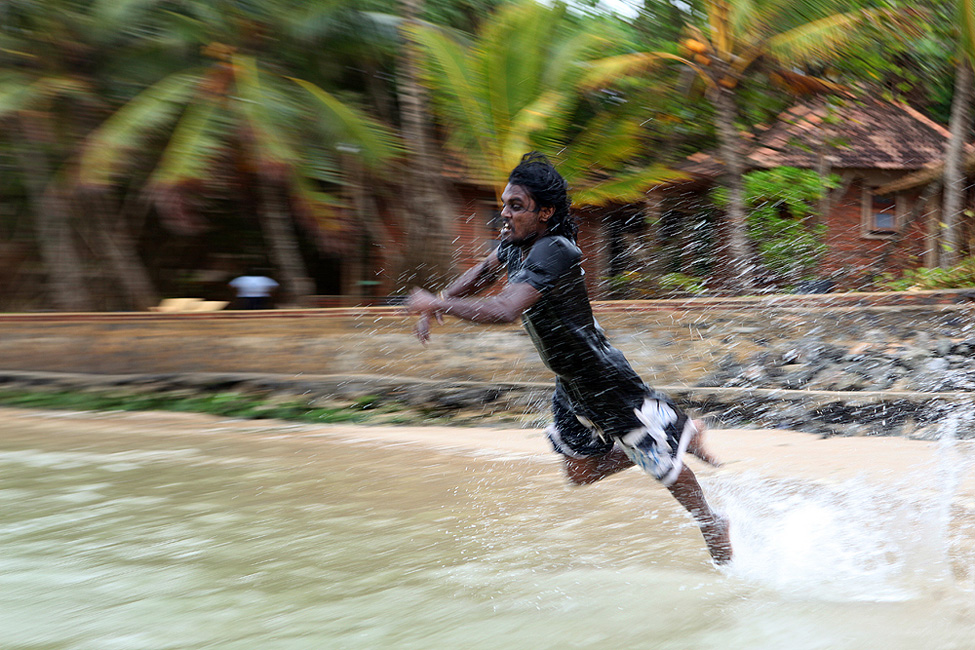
925	365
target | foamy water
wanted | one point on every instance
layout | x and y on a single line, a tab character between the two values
854	540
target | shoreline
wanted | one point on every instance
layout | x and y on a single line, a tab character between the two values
770	454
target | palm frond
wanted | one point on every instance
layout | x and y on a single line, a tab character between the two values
966	23
322	208
106	149
375	143
567	58
16	92
821	39
452	76
802	84
76	87
605	71
529	120
193	147
271	146
512	55
109	17
608	140
626	187
742	16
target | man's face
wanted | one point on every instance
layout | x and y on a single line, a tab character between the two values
523	220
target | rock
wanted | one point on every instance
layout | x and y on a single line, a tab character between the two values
935	365
829	379
913	358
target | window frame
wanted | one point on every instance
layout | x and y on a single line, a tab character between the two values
868	223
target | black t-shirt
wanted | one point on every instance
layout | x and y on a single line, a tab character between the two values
594	375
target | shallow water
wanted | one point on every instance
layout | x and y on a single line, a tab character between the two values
268	536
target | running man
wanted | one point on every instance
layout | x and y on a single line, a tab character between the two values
605	418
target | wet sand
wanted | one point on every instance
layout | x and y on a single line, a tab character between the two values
773	454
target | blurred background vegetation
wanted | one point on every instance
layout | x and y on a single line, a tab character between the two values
154	148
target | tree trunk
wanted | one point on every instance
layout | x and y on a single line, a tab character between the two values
428	256
374	234
116	245
280	237
52	229
739	252
954	173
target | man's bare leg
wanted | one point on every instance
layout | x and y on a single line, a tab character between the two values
686	489
697	448
714	527
588	470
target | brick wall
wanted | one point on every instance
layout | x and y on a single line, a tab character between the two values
852	257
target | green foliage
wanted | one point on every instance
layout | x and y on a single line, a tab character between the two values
520	84
961	276
681	282
634	284
781	207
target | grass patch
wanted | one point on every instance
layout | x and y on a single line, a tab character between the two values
369	409
233	405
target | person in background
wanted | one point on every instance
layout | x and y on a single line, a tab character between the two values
605	418
254	290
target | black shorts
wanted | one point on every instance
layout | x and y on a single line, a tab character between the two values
569	436
656	443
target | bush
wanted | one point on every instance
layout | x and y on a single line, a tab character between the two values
681	282
960	276
781	204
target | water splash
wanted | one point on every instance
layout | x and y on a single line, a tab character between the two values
853	540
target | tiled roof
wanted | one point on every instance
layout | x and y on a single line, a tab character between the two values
867	134
932	171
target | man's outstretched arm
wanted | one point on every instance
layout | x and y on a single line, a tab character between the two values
474	280
505	307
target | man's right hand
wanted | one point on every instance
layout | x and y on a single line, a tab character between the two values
421	301
422	328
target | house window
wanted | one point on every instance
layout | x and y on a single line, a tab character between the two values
881	214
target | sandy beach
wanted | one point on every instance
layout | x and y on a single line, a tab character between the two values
773	454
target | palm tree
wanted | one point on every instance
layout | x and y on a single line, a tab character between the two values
735	39
960	128
518	85
51	95
238	112
427	260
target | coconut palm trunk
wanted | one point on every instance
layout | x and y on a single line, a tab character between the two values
62	263
278	229
428	256
741	269
115	242
954	174
52	229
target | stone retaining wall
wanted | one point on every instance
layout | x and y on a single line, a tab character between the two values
889	362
